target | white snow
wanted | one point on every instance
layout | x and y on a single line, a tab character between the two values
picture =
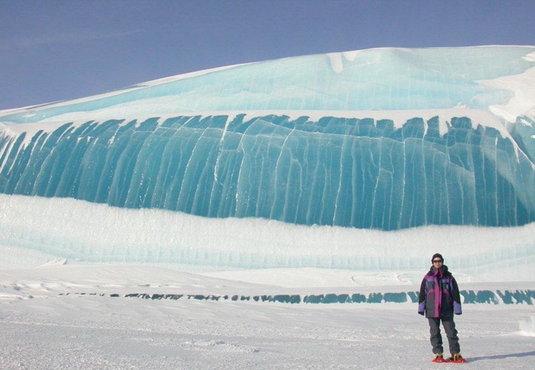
129	235
32	128
530	57
336	62
325	278
350	55
46	322
43	329
523	88
527	327
184	76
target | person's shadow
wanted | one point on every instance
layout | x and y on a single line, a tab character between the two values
499	357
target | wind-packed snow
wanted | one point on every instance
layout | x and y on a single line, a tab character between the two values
527	327
84	231
42	327
523	88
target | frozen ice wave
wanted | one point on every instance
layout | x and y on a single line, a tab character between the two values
384	139
334	171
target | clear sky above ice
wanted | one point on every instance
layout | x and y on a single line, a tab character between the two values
58	50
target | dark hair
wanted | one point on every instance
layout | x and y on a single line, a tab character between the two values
437	255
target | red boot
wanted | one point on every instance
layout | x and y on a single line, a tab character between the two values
456	358
439	358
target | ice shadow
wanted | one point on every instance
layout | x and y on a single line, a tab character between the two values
499	357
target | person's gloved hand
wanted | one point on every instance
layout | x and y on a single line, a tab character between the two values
421	308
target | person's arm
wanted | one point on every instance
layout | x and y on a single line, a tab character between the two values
456	297
421	298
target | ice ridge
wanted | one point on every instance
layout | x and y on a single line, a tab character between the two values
361	173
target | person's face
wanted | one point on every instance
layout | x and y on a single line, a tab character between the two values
437	262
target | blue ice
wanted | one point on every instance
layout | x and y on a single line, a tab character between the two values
360	173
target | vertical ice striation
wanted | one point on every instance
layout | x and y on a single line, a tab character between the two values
361	173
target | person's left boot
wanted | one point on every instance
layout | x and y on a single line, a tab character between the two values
456	358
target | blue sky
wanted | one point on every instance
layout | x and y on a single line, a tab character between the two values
60	50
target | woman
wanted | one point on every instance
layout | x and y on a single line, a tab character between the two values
439	300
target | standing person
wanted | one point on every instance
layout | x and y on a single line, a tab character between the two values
439	300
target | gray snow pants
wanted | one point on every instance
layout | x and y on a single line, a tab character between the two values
436	338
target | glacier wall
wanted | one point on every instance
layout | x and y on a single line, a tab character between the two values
361	173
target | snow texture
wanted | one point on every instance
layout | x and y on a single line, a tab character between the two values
158	236
96	331
527	327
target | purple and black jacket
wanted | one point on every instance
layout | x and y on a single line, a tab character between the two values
439	294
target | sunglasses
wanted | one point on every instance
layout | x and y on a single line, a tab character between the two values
437	261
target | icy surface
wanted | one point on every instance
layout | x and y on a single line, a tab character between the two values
374	79
97	332
527	327
113	234
335	171
94	331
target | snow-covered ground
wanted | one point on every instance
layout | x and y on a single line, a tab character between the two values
59	312
44	328
98	233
